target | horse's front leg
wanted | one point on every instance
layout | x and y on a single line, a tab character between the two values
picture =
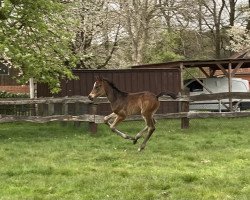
117	120
109	117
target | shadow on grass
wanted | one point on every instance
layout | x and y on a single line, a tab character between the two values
49	130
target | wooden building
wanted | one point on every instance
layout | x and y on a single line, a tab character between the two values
231	67
156	78
7	83
130	80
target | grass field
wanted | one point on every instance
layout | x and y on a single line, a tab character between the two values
211	160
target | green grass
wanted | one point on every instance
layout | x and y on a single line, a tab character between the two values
49	161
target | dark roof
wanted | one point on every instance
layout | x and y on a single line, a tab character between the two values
213	64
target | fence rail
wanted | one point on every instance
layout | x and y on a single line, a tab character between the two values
220	96
84	99
90	114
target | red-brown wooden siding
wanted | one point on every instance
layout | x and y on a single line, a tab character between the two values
8	84
130	80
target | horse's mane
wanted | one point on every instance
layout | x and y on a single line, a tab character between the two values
113	86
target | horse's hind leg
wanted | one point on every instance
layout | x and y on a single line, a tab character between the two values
151	129
138	135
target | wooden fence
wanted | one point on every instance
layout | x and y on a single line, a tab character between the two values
45	109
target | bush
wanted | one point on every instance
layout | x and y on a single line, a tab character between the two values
14	109
4	94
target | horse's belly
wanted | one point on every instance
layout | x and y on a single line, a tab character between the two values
133	110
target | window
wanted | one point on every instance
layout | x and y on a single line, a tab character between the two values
195	86
4	70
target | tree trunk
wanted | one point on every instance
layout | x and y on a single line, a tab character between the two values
232	12
248	20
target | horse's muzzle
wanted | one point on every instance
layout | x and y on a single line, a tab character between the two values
90	98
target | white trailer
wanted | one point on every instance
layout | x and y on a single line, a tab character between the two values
217	85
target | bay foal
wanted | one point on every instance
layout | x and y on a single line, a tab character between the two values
124	104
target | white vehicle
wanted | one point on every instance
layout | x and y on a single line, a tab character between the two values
217	85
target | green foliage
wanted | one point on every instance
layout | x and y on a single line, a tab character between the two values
4	94
192	72
165	56
208	161
35	40
240	39
14	109
166	49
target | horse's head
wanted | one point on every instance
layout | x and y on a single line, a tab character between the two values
98	88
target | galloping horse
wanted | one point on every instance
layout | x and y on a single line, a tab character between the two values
124	104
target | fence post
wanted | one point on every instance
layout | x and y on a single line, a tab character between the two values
77	112
51	109
92	111
65	111
42	109
184	107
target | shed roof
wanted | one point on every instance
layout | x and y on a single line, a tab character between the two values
213	64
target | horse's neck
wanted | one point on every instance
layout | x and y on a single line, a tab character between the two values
113	95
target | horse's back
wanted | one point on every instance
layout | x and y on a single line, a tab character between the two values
143	102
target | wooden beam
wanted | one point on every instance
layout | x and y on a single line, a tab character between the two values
184	107
236	68
44	119
182	79
12	101
93	112
100	119
219	96
211	72
198	115
204	86
32	88
230	85
222	69
66	100
204	72
198	80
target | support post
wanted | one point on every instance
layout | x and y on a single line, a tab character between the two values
41	110
230	86
65	111
32	96
184	107
51	108
32	88
93	111
77	112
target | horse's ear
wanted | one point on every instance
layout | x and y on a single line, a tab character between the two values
99	78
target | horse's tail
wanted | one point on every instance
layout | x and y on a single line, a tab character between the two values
171	94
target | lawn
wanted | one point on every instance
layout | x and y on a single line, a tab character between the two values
211	160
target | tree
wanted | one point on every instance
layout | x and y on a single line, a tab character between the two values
165	49
248	20
213	20
137	17
35	40
240	39
96	34
232	10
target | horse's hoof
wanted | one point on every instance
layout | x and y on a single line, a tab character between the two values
135	141
129	138
141	147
